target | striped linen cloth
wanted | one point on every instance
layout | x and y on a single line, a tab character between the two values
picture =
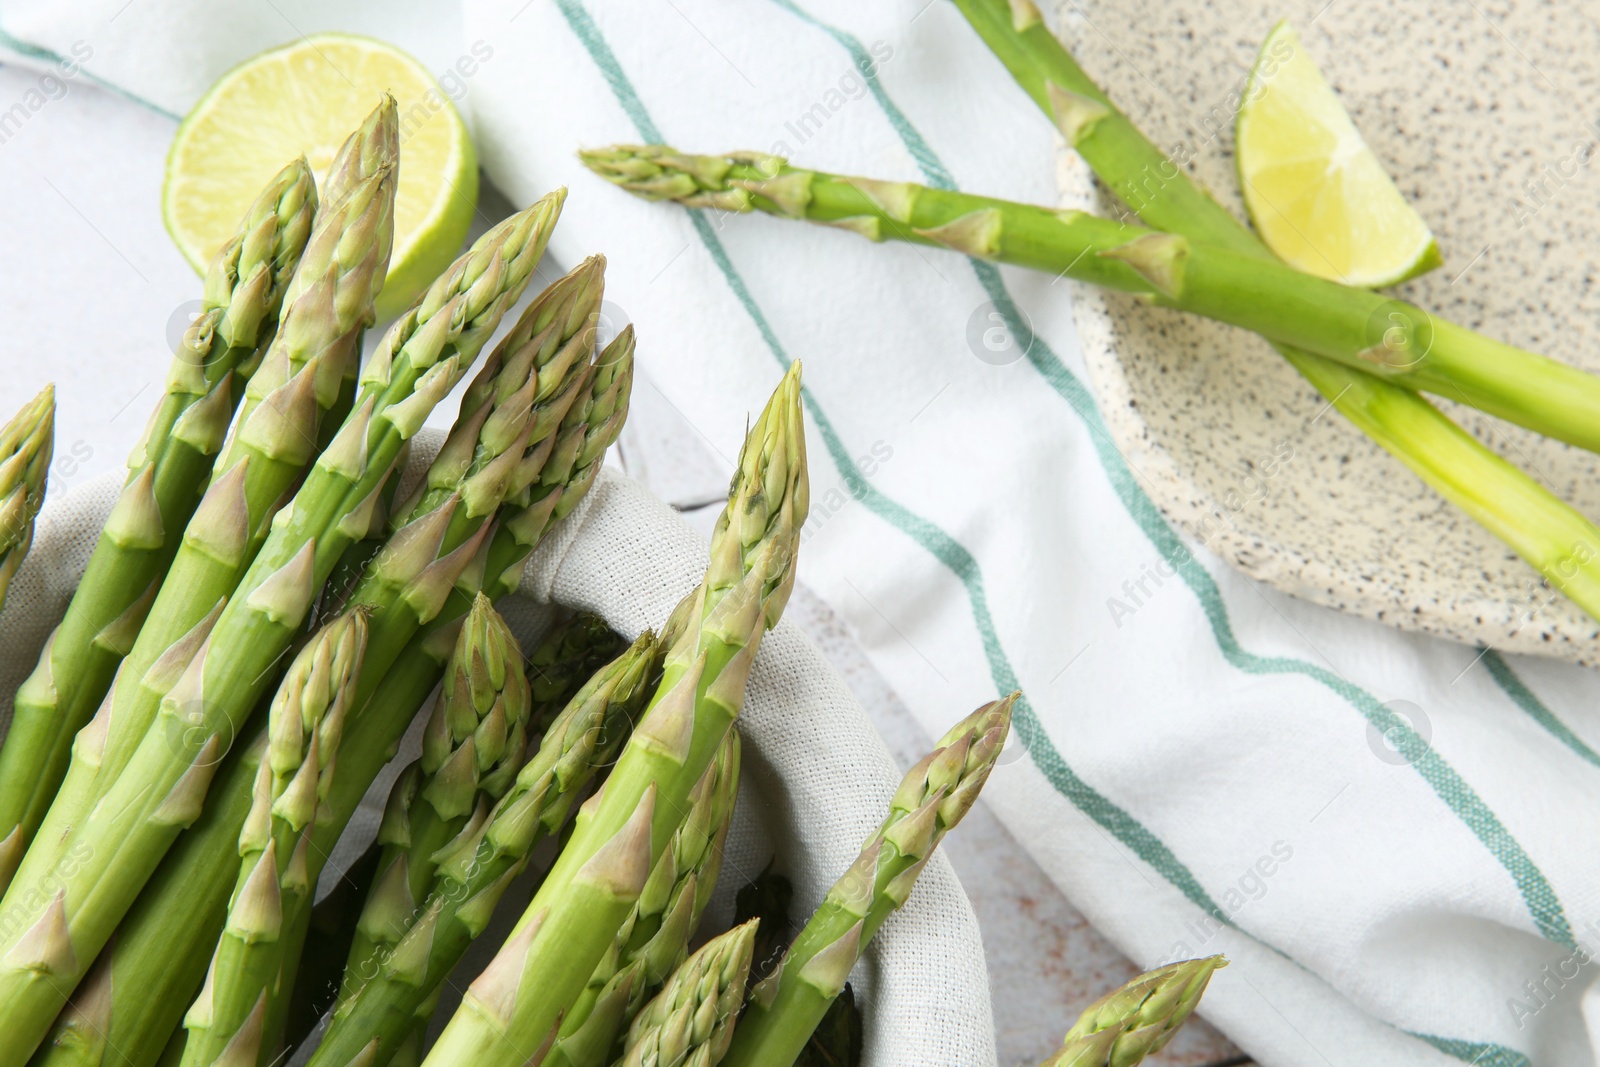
1390	836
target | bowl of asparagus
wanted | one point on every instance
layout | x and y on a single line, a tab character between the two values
215	663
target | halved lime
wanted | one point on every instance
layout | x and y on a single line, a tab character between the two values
306	98
1318	196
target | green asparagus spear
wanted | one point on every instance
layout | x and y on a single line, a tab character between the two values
691	1022
26	445
244	289
1128	1024
655	938
227	1021
44	937
376	1017
515	1007
472	749
1364	330
787	1005
508	433
1358	348
1551	536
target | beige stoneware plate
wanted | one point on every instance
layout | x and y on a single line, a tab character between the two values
1484	114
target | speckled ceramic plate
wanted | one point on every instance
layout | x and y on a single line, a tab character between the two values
1482	113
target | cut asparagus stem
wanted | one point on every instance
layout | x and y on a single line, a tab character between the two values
655	938
515	1007
131	1004
476	869
472	749
691	1022
26	445
244	290
1137	1020
787	1005
1554	538
227	1022
46	939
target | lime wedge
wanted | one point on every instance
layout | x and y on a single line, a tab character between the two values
306	98
1318	196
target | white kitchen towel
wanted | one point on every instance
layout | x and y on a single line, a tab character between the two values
1389	835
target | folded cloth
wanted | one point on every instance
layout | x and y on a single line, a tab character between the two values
1374	826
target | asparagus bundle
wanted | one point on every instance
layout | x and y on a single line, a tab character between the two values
296	391
27	443
559	666
1137	1020
493	424
511	430
377	1013
471	751
244	289
691	1022
515	1007
787	1005
229	1021
46	940
1363	351
655	938
138	990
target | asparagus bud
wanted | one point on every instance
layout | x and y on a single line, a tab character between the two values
1128	1024
692	1020
472	748
787	1006
26	445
